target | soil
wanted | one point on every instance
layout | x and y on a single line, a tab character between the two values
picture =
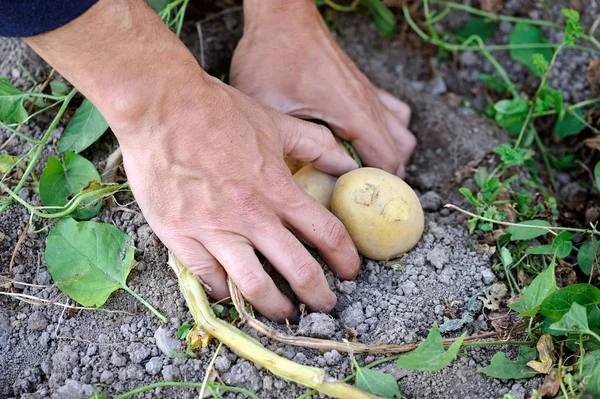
47	352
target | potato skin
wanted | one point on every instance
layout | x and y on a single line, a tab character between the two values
380	211
317	184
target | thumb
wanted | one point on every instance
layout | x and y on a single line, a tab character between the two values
310	142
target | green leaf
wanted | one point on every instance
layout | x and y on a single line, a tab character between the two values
430	355
469	195
573	29
592	387
540	288
574	321
58	88
61	181
88	260
506	257
597	175
11	103
505	369
377	383
587	257
558	304
83	130
523	232
157	5
7	162
511	156
494	83
590	362
562	245
183	330
526	354
540	250
511	112
523	33
484	28
385	21
570	125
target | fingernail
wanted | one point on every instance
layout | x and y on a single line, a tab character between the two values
351	162
401	172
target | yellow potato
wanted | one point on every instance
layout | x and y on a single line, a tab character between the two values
380	211
317	184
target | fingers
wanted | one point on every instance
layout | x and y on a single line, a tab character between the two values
397	107
238	258
325	232
202	264
299	268
314	143
405	140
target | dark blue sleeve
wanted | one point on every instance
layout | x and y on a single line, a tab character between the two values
23	18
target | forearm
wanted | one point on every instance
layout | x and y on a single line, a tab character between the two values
119	54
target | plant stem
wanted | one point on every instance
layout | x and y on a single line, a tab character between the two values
249	348
146	304
21	135
224	388
40	146
538	142
69	207
531	226
338	7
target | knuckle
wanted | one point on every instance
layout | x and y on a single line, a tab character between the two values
247	202
334	234
253	285
306	272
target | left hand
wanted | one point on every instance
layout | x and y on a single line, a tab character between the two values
288	59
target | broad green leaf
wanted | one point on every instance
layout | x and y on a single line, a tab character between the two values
483	28
574	321
183	330
377	383
61	181
591	360
88	260
523	232
570	125
385	21
505	369
511	112
540	288
523	33
540	250
562	245
7	162
83	130
430	355
11	103
526	354
58	88
587	256
558	304
157	5
592	386
506	257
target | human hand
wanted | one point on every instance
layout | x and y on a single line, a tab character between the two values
288	59
204	161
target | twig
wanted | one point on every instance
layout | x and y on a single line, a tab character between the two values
14	254
325	344
44	302
60	319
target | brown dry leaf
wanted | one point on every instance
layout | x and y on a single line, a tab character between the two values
198	338
524	278
513	300
511	214
352	334
593	143
550	386
547	358
485	249
565	271
491	5
593	75
576	5
591	215
493	296
491	237
500	319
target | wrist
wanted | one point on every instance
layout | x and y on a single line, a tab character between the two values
120	56
259	12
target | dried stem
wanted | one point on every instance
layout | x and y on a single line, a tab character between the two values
250	349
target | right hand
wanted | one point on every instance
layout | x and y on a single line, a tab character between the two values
209	177
204	161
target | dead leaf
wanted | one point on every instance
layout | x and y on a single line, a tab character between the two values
491	5
511	214
500	319
493	296
524	278
593	75
352	334
513	300
593	143
591	215
550	386
545	348
485	249
566	273
492	237
198	338
576	5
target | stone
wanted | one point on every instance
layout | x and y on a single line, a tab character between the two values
318	325
171	373
488	276
37	321
154	366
